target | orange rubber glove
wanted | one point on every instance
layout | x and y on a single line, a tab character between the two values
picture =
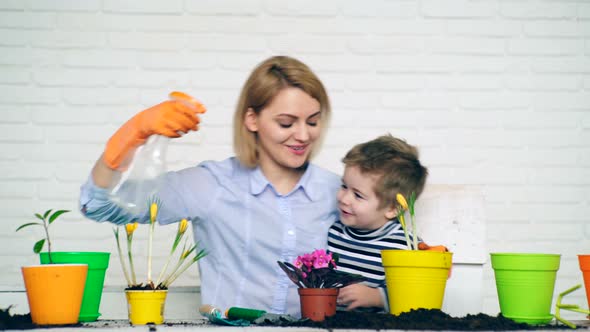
171	118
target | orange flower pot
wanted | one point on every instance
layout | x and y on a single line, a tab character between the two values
585	267
318	303
54	292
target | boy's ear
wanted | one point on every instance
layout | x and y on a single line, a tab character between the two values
391	212
251	120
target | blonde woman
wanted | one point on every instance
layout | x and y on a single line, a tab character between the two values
266	204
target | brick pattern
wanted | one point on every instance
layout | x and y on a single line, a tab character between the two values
495	93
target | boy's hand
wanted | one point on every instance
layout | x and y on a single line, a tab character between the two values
424	246
357	296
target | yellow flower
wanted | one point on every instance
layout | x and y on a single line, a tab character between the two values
402	201
182	226
402	221
153	212
186	253
130	228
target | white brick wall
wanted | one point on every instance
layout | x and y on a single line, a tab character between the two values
496	94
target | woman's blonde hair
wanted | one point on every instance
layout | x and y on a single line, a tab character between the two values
264	83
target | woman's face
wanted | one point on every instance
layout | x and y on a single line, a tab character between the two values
287	129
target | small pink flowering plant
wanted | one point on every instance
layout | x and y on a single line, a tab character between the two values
318	270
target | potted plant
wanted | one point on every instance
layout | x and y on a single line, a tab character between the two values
319	282
97	263
54	291
415	278
146	301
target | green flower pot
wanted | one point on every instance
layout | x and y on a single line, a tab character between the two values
525	284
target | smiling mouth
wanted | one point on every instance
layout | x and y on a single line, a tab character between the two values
297	149
345	213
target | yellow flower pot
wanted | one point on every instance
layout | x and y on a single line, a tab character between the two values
146	306
415	279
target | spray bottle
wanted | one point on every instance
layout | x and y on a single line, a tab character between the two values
149	162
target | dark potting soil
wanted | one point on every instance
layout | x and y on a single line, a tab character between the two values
10	321
15	322
421	319
148	286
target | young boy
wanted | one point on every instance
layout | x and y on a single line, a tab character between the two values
374	173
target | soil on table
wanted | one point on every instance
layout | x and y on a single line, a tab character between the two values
16	322
10	321
421	319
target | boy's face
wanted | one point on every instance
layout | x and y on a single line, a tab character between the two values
357	202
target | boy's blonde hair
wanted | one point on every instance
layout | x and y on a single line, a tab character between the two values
264	83
396	164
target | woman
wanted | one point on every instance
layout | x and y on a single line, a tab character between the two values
266	204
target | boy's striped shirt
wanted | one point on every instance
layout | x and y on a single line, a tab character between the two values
360	251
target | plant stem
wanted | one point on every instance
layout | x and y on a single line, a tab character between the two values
150	240
121	259
166	280
164	269
131	266
414	232
46	226
177	273
406	234
179	236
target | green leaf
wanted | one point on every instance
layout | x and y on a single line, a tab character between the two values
202	253
190	251
38	246
40	217
412	202
335	257
176	241
27	225
46	214
57	214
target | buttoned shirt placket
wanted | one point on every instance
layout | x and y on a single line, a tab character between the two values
279	304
